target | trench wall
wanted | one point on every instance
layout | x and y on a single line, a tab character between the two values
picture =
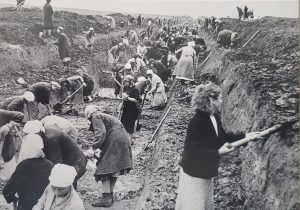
260	89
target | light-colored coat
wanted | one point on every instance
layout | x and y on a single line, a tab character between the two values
71	202
227	38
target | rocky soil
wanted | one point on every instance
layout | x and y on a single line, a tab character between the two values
260	90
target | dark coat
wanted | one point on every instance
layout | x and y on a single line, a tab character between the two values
61	148
87	91
9	146
112	139
200	156
48	13
161	70
7	116
29	180
14	103
158	53
64	47
41	92
131	110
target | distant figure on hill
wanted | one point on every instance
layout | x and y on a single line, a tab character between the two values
112	22
245	12
64	46
48	23
89	39
114	53
139	20
20	3
149	28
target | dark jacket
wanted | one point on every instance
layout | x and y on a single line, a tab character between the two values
41	92
14	103
61	148
88	79
64	46
7	116
200	155
161	70
29	180
48	13
131	110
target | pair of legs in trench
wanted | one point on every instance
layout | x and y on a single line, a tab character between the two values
107	199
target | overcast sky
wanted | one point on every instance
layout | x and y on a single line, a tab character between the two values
195	8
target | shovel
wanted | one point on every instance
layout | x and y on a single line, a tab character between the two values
139	126
268	131
59	105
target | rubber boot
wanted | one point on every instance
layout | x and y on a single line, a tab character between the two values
104	201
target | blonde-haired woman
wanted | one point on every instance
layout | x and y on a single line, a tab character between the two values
205	142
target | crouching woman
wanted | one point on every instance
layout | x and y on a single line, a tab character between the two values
60	194
205	142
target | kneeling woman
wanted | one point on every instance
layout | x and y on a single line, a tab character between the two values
202	150
115	157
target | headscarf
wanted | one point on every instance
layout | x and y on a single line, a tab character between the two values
32	147
90	109
55	85
62	175
149	72
29	96
34	126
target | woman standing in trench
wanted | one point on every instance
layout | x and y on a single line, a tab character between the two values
203	149
115	157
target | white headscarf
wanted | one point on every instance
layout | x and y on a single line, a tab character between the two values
32	147
62	175
34	126
90	109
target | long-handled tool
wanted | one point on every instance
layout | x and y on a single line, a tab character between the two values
139	126
264	133
18	132
157	129
122	103
59	105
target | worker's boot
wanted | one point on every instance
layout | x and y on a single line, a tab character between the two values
105	201
75	113
112	197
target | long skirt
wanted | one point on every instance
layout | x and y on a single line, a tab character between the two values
184	68
7	168
194	193
111	58
115	156
34	111
158	99
77	98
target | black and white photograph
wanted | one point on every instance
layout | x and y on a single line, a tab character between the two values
149	105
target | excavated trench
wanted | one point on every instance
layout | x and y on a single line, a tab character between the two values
260	89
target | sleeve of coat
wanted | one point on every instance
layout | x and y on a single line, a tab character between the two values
229	136
50	10
10	189
99	132
41	202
